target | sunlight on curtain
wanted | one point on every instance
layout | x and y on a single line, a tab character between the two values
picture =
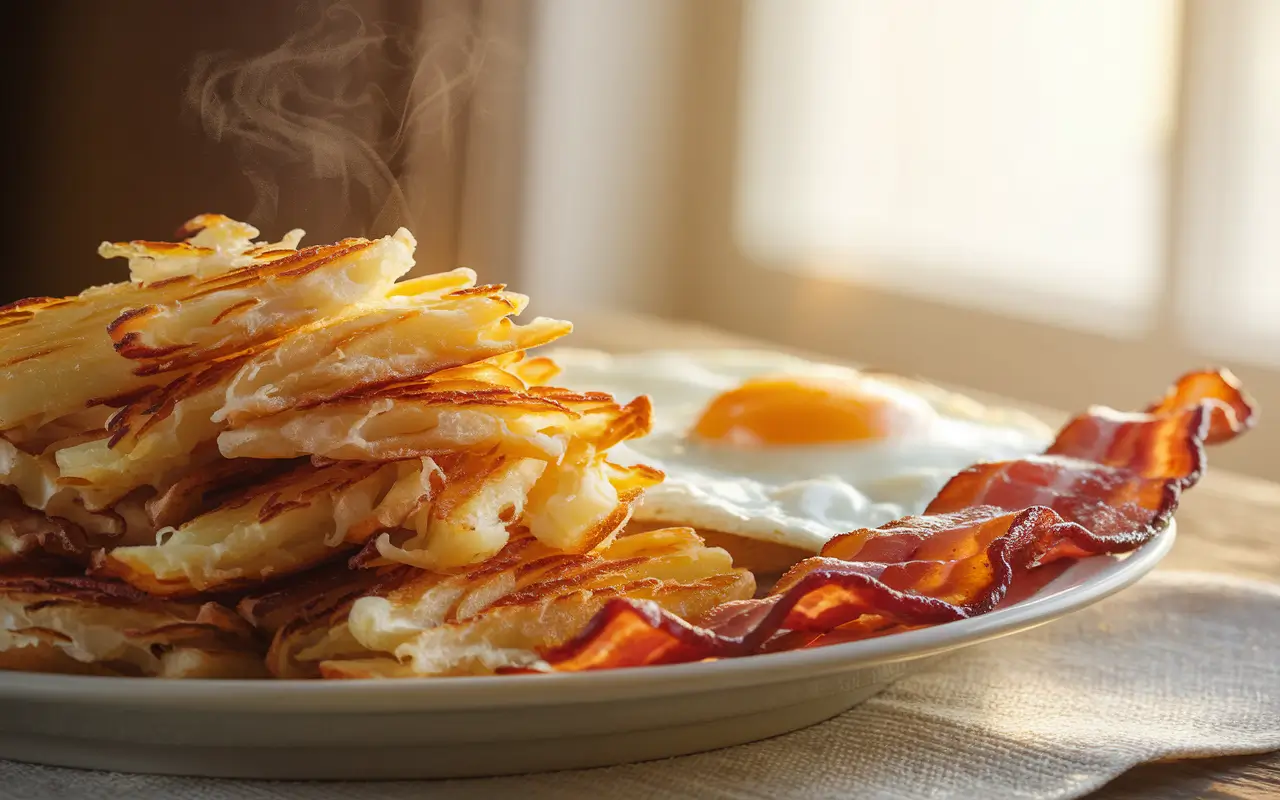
1229	294
1002	155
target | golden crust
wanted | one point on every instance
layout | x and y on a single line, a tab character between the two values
210	244
88	626
55	360
41	341
159	437
501	613
573	504
202	319
248	417
406	337
478	407
308	595
396	424
204	490
295	522
306	617
401	622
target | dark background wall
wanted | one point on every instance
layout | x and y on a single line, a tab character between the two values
100	145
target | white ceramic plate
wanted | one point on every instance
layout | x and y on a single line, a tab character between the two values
455	727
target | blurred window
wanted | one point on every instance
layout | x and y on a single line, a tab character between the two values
1075	162
1228	293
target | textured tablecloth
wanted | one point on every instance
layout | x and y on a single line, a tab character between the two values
1181	665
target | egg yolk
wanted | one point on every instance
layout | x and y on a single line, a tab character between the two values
799	410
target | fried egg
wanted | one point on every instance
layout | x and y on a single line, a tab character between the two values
783	450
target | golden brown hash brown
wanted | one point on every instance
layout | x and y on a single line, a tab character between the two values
368	470
496	614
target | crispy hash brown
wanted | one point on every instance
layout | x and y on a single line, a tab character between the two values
211	245
158	438
55	361
444	413
294	522
198	319
298	427
92	627
444	323
497	614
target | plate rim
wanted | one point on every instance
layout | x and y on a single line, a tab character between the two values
630	683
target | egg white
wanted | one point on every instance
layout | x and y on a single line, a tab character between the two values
799	496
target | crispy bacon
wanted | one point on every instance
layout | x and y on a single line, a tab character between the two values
1108	484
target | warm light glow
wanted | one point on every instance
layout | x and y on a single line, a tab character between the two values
797	410
902	146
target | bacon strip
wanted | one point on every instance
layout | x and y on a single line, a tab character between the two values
1108	484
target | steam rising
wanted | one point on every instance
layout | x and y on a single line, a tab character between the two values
342	99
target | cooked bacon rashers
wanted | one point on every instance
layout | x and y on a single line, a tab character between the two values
1108	484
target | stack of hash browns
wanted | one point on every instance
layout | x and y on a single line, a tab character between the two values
255	459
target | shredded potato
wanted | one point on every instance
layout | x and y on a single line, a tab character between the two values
403	338
89	627
213	244
307	429
292	523
498	614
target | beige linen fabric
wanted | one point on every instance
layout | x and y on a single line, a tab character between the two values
1181	665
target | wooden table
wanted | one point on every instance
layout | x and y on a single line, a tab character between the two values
1229	523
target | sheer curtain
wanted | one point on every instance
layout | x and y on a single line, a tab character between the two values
1010	156
1033	160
